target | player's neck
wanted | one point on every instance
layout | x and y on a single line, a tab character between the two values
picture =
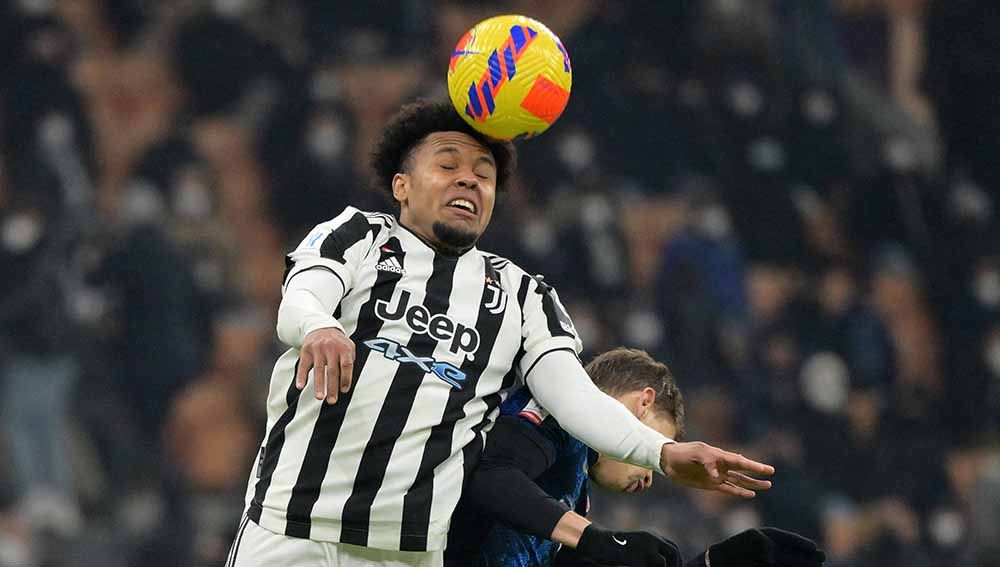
436	244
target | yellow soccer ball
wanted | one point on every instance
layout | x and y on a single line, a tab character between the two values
510	77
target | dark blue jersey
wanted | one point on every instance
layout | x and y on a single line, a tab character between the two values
564	480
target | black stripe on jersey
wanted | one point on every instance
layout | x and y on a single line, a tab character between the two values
522	297
376	229
331	418
554	315
511	377
497	262
384	217
272	448
491	273
344	236
474	449
522	293
289	264
234	548
395	410
417	502
236	544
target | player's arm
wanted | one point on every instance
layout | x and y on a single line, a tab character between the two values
553	371
503	486
318	274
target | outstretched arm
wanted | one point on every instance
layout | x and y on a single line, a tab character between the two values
560	384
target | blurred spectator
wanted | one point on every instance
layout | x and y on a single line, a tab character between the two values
39	363
700	293
850	329
162	340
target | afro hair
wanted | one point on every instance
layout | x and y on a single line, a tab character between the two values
412	124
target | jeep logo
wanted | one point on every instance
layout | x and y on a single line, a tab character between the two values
440	327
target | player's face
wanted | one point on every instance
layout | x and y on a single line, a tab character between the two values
623	477
447	192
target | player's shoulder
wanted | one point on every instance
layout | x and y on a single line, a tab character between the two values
356	217
515	276
379	219
522	404
333	237
496	262
522	408
509	270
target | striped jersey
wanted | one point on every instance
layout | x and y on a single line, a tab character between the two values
439	342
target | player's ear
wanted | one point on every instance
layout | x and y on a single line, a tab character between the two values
646	399
400	186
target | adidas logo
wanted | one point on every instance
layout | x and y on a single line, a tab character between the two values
390	264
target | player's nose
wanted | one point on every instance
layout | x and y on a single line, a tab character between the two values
467	182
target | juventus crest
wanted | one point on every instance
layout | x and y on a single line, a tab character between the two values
494	297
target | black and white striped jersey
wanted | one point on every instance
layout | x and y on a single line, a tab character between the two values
439	342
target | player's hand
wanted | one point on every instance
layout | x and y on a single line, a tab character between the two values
636	549
703	466
330	355
764	547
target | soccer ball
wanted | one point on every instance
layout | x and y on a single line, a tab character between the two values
509	77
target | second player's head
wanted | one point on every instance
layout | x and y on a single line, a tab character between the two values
647	388
443	174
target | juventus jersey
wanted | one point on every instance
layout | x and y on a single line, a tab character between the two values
439	341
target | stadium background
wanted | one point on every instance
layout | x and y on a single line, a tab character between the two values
794	202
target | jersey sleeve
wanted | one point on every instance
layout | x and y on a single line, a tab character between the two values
336	246
503	486
546	326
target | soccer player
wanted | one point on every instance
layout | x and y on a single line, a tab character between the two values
408	338
533	476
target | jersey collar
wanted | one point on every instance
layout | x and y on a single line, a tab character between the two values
415	238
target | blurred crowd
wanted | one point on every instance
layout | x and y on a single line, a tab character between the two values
792	202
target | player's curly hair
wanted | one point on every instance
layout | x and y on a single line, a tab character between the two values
622	370
412	124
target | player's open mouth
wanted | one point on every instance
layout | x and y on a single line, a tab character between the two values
463	204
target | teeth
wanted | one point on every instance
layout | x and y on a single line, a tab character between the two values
463	203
